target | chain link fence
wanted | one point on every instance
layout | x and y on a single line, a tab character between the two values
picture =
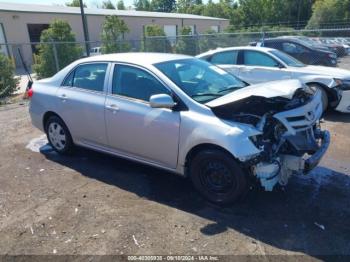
336	40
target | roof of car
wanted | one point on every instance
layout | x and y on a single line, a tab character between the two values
135	58
213	51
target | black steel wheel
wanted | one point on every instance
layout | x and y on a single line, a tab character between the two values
218	176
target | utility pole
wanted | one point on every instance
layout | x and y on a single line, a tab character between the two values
85	27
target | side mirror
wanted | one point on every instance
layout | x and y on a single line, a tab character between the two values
161	101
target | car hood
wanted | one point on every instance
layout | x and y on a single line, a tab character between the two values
282	88
323	70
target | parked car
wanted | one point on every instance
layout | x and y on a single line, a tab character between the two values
335	47
186	116
261	64
95	51
309	42
301	51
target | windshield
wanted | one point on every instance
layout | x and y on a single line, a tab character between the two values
287	59
199	79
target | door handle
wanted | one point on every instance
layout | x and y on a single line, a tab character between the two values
63	97
112	107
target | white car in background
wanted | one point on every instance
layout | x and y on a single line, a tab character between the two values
95	51
261	64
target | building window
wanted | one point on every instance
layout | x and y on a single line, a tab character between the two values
215	28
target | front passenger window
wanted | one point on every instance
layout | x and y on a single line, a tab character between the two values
258	59
136	83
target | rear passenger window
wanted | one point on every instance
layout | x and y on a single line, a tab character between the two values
88	76
225	58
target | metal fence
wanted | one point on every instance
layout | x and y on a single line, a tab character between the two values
186	44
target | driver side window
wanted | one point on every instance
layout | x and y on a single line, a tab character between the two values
136	83
258	59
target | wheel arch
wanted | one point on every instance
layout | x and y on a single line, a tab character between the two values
201	147
48	114
331	94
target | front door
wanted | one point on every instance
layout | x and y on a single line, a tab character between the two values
260	67
136	129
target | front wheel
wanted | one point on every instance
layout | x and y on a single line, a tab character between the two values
218	177
58	135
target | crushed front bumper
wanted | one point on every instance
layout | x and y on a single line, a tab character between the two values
314	159
280	169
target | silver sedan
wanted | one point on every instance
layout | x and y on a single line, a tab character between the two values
184	115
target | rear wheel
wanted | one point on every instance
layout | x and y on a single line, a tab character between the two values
58	135
218	176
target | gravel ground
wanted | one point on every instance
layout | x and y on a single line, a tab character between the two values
92	203
95	204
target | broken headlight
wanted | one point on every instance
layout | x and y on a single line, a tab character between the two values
343	84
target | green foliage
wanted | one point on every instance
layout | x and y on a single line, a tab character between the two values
155	40
113	31
186	43
120	5
142	5
75	3
208	41
163	5
328	11
8	82
107	5
58	31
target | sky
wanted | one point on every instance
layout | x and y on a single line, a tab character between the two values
89	3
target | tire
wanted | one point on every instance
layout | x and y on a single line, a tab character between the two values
58	135
218	177
324	96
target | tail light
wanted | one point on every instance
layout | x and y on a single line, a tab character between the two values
29	90
30	93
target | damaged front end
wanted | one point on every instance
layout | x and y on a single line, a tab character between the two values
290	141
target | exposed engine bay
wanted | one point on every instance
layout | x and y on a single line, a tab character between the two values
290	141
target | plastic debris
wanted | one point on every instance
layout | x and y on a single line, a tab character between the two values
320	226
54	251
76	210
41	170
135	241
31	230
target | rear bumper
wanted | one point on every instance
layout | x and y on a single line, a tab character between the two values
313	161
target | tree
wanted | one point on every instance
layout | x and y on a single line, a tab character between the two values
142	5
8	82
108	5
186	43
113	30
167	6
120	5
329	11
207	41
74	3
58	31
155	40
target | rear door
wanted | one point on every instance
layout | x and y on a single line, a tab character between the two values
261	67
81	103
227	60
